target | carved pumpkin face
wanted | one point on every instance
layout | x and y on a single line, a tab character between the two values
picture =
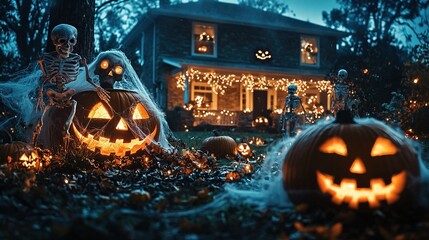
244	149
20	152
357	165
122	127
263	54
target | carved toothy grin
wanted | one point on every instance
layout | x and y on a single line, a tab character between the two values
348	192
119	147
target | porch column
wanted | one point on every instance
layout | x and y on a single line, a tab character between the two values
186	90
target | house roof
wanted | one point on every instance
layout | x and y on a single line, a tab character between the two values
309	73
219	12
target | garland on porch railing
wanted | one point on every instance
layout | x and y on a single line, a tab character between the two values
220	82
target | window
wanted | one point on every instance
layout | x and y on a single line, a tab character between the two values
204	40
203	96
309	51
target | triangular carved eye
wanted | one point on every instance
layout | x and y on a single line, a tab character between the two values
334	145
24	157
382	147
140	112
99	111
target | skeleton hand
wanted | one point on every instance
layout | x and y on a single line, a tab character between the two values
102	94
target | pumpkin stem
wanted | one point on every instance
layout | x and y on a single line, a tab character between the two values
216	133
344	117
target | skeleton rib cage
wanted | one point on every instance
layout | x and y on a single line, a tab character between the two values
61	71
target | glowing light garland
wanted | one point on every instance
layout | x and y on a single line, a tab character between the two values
220	82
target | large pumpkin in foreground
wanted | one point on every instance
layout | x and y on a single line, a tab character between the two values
121	127
357	165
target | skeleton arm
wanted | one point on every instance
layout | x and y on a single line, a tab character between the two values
103	94
40	104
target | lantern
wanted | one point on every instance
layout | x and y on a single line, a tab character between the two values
260	122
244	149
121	127
20	152
220	146
233	176
362	164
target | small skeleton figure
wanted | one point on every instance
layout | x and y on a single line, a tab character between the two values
289	116
341	92
110	69
59	68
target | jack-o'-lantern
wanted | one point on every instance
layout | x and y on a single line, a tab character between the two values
244	149
120	127
356	165
20	152
263	54
260	122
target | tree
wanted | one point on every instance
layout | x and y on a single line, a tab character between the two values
276	6
79	14
373	53
374	23
24	23
114	19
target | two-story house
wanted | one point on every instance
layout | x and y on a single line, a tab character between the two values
224	59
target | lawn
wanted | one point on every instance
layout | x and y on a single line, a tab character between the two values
183	194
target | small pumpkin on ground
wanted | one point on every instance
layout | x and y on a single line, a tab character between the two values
220	146
17	151
356	165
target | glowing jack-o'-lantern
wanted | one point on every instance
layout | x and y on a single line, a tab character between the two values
362	164
20	152
244	149
121	127
263	54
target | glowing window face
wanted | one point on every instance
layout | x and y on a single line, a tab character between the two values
140	112
334	145
382	147
118	70
104	64
99	111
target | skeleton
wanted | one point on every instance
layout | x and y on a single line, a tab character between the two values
341	92
59	68
289	116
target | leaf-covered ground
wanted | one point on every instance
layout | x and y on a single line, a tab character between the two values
77	195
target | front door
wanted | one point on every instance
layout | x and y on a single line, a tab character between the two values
259	103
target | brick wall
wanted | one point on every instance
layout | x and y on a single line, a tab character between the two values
238	44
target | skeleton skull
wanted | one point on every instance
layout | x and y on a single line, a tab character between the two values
64	37
110	69
342	75
291	89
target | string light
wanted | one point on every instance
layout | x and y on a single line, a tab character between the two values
220	82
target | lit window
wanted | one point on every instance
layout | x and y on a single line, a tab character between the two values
309	51
203	96
204	40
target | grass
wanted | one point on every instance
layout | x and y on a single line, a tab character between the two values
77	197
193	139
